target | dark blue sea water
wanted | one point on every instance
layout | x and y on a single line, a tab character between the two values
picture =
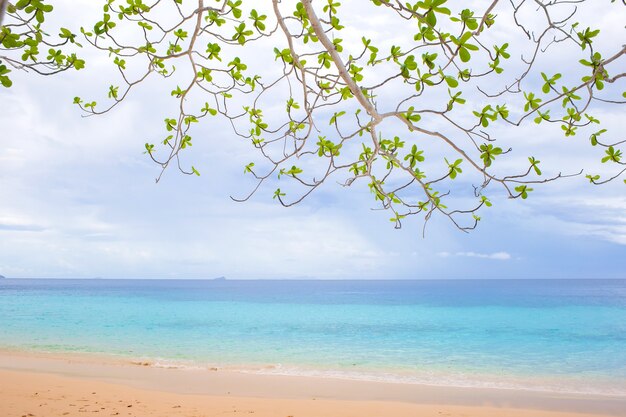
557	335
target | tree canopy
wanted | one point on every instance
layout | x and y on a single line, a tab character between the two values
415	102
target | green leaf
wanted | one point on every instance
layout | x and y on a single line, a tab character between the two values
523	191
613	155
278	194
452	82
464	54
534	165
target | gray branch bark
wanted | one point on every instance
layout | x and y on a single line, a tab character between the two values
3	8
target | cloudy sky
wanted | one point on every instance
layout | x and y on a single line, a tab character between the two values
78	199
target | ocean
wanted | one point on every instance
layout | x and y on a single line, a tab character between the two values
546	335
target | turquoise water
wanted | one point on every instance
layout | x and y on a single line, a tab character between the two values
555	335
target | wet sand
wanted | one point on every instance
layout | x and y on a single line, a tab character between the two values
49	385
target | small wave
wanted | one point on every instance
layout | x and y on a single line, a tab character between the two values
437	380
175	365
559	385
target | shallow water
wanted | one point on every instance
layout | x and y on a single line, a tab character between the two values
554	335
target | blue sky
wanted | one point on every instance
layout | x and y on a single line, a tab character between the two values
78	199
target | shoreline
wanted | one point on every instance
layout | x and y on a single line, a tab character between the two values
69	371
487	381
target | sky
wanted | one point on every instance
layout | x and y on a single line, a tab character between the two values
78	199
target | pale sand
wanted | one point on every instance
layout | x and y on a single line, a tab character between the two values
80	386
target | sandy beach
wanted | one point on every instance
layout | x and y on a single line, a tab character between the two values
47	385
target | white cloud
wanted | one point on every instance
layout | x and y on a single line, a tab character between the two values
501	256
597	213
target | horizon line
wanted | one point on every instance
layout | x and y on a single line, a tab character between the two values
311	279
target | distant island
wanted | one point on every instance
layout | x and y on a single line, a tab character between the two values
219	279
3	277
